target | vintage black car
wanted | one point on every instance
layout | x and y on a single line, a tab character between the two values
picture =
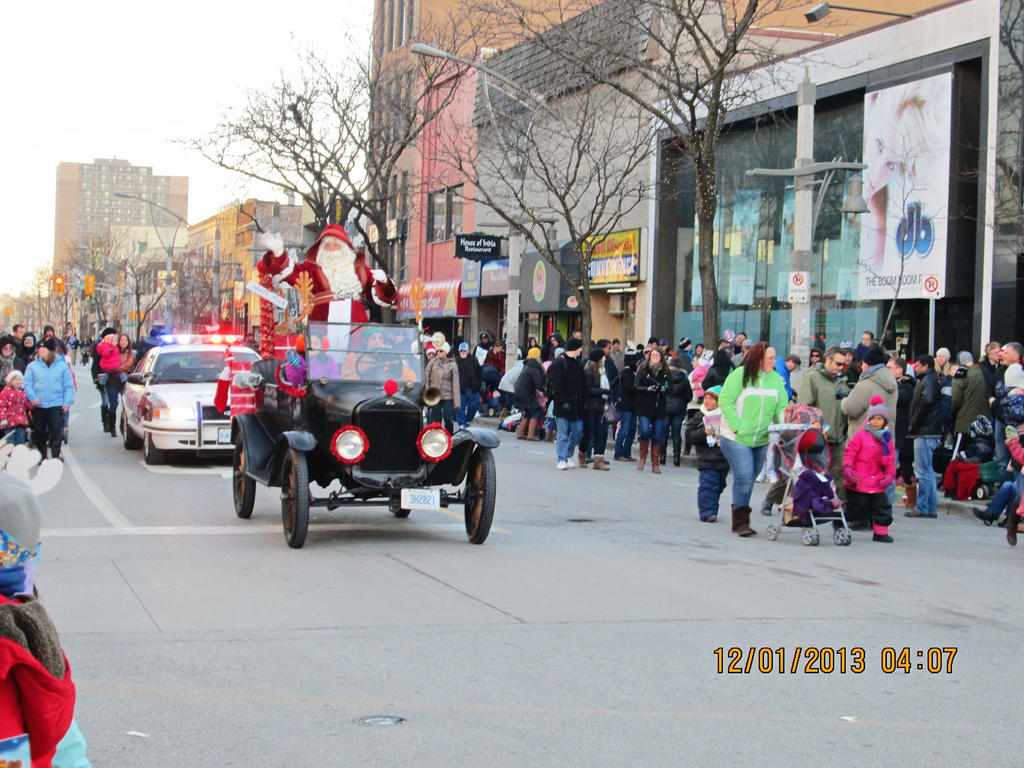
352	411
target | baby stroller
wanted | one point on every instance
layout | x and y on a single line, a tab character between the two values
802	451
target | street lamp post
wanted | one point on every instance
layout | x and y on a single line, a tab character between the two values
821	10
169	301
514	251
805	212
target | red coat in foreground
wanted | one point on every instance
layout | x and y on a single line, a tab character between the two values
37	696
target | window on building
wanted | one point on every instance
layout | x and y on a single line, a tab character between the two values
454	202
399	23
391	25
444	214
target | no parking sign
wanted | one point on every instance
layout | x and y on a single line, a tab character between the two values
799	287
932	287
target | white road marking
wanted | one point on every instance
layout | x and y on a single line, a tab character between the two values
103	505
163	469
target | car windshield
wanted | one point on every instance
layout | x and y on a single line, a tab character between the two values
363	352
194	366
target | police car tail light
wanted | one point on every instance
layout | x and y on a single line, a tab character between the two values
434	443
349	445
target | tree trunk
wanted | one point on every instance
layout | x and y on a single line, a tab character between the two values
586	318
706	203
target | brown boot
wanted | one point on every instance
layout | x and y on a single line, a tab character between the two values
911	501
531	433
524	423
1011	528
600	463
643	455
581	459
741	522
656	459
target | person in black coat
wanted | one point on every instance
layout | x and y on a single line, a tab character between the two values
529	386
627	409
651	384
901	424
470	381
566	381
926	429
721	367
677	398
595	429
712	466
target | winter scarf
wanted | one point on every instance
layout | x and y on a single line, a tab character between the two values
881	435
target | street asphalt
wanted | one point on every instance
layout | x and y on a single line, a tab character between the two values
582	633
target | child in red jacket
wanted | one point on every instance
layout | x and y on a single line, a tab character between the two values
14	407
869	468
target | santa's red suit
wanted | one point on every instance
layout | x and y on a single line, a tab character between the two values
340	279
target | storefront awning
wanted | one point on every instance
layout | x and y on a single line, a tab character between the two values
441	298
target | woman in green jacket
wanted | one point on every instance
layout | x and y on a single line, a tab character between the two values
753	398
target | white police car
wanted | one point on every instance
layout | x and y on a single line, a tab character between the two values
167	403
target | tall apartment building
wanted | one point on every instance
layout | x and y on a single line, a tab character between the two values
87	207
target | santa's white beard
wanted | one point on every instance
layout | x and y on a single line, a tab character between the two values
338	265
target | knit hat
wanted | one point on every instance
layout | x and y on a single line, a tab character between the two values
942	352
533	353
714	391
446	347
877	408
1014	376
596	355
15	374
684	343
573	344
874	356
430	349
965	358
50	344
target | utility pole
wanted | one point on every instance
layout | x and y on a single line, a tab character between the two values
215	312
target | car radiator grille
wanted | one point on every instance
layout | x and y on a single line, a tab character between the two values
212	414
392	438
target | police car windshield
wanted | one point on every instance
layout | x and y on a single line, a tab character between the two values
363	352
194	366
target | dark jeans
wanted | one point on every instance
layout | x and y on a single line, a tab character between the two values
674	431
1005	500
710	484
443	412
48	429
653	429
625	435
114	388
595	434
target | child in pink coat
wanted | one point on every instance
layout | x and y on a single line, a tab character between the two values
869	468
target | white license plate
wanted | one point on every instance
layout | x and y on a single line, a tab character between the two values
421	498
224	435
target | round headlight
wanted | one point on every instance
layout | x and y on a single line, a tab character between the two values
434	442
349	445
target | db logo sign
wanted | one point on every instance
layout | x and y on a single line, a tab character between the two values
915	233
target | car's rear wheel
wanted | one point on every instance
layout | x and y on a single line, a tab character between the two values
480	494
130	440
295	498
151	453
243	487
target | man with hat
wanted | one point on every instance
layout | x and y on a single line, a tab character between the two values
566	377
470	378
50	388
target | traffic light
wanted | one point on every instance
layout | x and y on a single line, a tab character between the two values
90	285
58	284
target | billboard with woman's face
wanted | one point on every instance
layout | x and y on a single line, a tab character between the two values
906	185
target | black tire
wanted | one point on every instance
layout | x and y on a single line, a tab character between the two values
480	492
243	488
151	453
295	498
129	439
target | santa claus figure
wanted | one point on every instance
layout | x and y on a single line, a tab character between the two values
343	286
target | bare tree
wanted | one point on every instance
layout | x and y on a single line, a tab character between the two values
557	163
335	134
691	63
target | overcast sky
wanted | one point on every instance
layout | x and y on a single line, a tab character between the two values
122	78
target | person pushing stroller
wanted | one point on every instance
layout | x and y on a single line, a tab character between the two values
869	468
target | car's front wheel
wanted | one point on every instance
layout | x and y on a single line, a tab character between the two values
130	440
151	453
480	494
243	487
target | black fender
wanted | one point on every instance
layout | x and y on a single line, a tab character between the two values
465	442
256	443
295	439
483	436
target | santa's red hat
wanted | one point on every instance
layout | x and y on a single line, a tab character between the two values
331	230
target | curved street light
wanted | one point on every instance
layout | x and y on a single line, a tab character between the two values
821	10
168	303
